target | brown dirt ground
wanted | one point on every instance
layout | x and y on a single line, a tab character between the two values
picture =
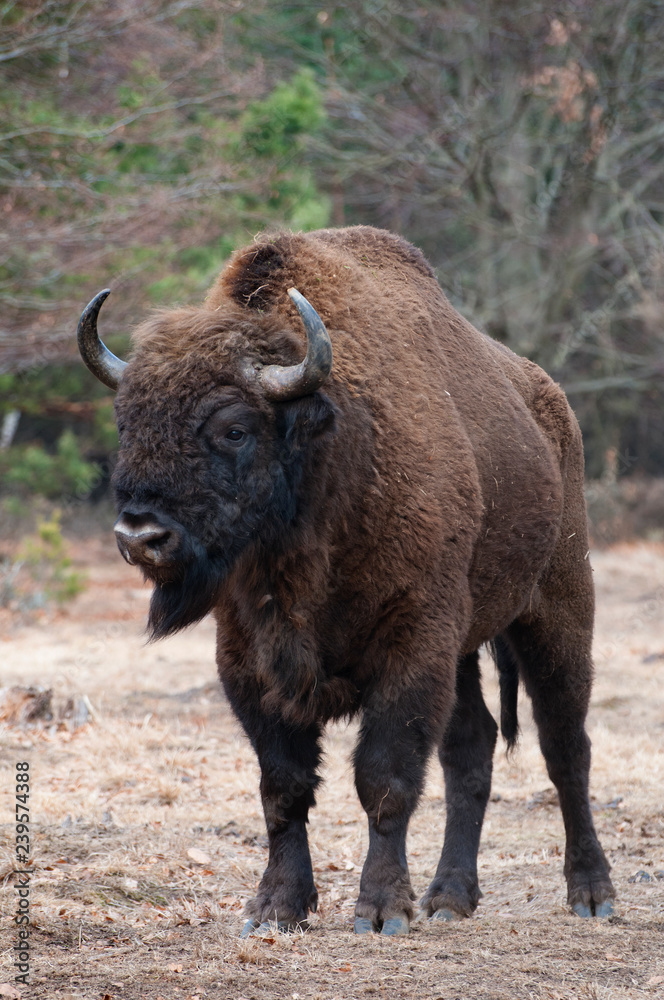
121	910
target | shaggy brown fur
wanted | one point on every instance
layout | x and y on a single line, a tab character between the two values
427	500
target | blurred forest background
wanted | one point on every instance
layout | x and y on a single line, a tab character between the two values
520	145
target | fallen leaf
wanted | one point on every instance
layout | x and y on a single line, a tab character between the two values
655	980
614	958
228	901
174	968
200	857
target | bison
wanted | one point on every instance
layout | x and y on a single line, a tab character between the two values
360	521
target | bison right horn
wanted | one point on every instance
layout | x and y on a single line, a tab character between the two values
282	382
104	365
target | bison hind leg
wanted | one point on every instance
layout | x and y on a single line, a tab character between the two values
466	754
396	737
555	665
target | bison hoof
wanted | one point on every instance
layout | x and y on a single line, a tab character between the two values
268	928
604	909
445	914
395	927
591	894
392	927
363	925
454	891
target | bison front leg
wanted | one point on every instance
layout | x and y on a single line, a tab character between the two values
390	760
288	758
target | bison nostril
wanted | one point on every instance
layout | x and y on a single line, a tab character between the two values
145	541
155	540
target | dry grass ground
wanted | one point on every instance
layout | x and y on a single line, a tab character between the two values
148	835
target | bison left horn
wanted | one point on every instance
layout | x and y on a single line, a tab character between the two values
104	365
282	382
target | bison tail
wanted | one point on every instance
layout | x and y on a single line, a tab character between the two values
508	679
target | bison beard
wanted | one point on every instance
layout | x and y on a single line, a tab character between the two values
178	603
184	600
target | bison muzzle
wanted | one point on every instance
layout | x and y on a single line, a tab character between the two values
363	489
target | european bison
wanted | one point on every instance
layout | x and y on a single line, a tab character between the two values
359	527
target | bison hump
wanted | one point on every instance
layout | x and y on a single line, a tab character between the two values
256	276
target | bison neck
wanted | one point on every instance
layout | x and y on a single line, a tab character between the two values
313	634
277	639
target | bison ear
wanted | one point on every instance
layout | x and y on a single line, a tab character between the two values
303	420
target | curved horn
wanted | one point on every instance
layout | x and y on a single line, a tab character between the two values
104	365
288	382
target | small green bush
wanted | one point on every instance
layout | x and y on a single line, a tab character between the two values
273	128
29	470
48	564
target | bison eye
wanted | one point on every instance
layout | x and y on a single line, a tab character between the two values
235	435
230	428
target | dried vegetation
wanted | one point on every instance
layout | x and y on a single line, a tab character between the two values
148	835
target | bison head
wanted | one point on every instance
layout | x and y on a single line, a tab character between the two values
214	443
